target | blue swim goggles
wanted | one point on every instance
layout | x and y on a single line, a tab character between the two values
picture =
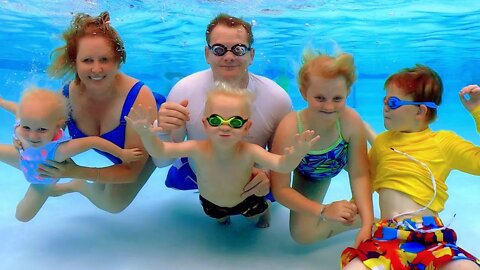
395	103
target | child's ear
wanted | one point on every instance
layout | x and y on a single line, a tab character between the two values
204	122
422	110
248	124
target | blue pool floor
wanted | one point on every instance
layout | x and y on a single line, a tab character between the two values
167	229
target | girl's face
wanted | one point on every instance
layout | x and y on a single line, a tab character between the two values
38	124
404	118
95	63
226	107
326	97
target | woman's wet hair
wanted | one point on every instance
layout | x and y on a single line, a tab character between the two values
84	25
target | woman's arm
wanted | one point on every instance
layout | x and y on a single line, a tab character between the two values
119	173
76	146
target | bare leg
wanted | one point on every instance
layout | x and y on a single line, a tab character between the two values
33	200
460	264
224	221
355	264
306	228
112	198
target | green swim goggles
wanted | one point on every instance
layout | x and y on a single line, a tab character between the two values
216	120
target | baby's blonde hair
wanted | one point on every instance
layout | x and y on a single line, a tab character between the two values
223	88
56	101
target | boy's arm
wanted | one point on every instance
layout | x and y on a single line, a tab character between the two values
293	155
10	106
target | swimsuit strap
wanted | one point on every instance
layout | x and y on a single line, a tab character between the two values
339	128
129	101
299	122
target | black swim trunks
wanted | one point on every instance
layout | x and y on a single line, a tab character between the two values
251	206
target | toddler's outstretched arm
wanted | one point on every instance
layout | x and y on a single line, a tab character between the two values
293	154
10	106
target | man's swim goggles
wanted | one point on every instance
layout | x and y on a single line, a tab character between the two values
221	50
395	103
216	120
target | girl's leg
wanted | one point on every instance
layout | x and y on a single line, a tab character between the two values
33	200
306	228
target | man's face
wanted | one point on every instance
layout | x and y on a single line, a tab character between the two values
229	67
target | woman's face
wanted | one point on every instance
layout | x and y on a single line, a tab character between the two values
95	63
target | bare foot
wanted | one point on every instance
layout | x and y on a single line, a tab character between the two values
225	221
264	220
76	185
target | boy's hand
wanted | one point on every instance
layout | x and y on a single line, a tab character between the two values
473	92
139	120
303	143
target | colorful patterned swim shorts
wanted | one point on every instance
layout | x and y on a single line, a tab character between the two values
411	244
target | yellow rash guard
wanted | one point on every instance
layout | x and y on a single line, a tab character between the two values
441	151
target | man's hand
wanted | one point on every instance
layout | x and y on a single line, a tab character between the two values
259	184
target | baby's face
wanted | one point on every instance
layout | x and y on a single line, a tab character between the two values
227	107
38	125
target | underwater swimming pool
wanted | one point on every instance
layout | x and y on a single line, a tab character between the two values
166	229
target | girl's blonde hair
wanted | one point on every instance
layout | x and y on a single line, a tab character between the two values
325	66
55	101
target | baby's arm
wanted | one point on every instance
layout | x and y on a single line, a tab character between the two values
10	106
9	155
293	155
80	145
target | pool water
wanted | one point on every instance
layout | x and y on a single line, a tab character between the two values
166	229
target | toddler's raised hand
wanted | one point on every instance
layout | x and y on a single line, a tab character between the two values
139	120
303	143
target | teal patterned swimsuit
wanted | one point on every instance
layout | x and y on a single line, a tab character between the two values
325	163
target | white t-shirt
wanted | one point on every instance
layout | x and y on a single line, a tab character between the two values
271	104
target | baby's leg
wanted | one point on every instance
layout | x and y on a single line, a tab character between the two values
306	228
33	200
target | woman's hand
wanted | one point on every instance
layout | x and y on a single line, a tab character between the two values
53	169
